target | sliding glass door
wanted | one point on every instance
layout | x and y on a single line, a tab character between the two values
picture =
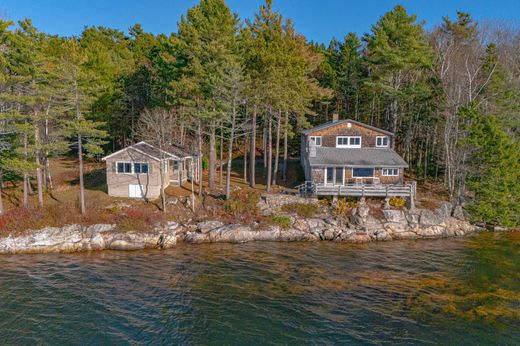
334	176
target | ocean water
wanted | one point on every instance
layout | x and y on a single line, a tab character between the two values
451	291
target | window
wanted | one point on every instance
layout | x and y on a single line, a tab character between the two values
129	167
140	167
382	141
390	172
362	172
316	139
124	167
348	142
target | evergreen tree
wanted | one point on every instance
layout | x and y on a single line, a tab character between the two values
77	87
398	54
206	41
495	174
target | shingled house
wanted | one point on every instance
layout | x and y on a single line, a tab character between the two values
135	170
349	158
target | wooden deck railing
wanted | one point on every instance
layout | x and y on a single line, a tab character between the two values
364	190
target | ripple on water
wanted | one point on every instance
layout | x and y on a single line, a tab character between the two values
409	292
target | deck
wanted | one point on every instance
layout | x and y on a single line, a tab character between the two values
358	190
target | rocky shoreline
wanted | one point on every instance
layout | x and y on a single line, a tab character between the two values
360	227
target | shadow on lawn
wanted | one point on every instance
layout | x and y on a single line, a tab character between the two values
94	180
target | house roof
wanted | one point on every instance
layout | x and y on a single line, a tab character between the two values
170	152
334	123
357	157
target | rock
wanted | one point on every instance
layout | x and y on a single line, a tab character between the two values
362	211
432	232
271	203
444	210
404	235
358	237
429	218
458	213
301	224
328	234
172	201
207	226
394	215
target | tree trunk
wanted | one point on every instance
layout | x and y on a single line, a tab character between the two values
230	152
39	177
392	116
264	147
81	183
25	176
2	211
212	158
163	196
221	156
245	160
269	151
277	153
252	151
285	147
199	163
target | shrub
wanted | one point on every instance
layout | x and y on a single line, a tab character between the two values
301	209
136	219
397	202
242	201
283	221
343	207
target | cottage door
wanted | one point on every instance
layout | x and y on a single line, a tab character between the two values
135	191
338	177
329	175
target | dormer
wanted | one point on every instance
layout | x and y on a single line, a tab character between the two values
348	134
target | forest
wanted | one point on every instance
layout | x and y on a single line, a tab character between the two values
226	88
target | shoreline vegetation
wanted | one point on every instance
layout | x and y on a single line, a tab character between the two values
290	218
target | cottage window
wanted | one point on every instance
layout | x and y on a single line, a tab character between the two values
140	167
390	172
382	141
124	167
362	172
348	142
316	140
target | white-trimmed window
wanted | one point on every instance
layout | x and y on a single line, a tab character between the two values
348	142
390	172
124	167
131	167
382	141
316	140
140	167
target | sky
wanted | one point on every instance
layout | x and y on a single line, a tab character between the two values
318	20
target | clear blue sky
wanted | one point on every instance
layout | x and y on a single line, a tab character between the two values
318	20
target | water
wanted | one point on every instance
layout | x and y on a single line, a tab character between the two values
463	291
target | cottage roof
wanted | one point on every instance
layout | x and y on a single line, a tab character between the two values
334	123
357	157
170	152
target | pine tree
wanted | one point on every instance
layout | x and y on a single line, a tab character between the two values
76	89
495	174
206	40
398	53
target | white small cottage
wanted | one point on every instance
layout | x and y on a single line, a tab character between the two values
135	170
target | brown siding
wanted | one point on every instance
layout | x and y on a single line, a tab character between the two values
368	136
389	180
317	175
118	182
